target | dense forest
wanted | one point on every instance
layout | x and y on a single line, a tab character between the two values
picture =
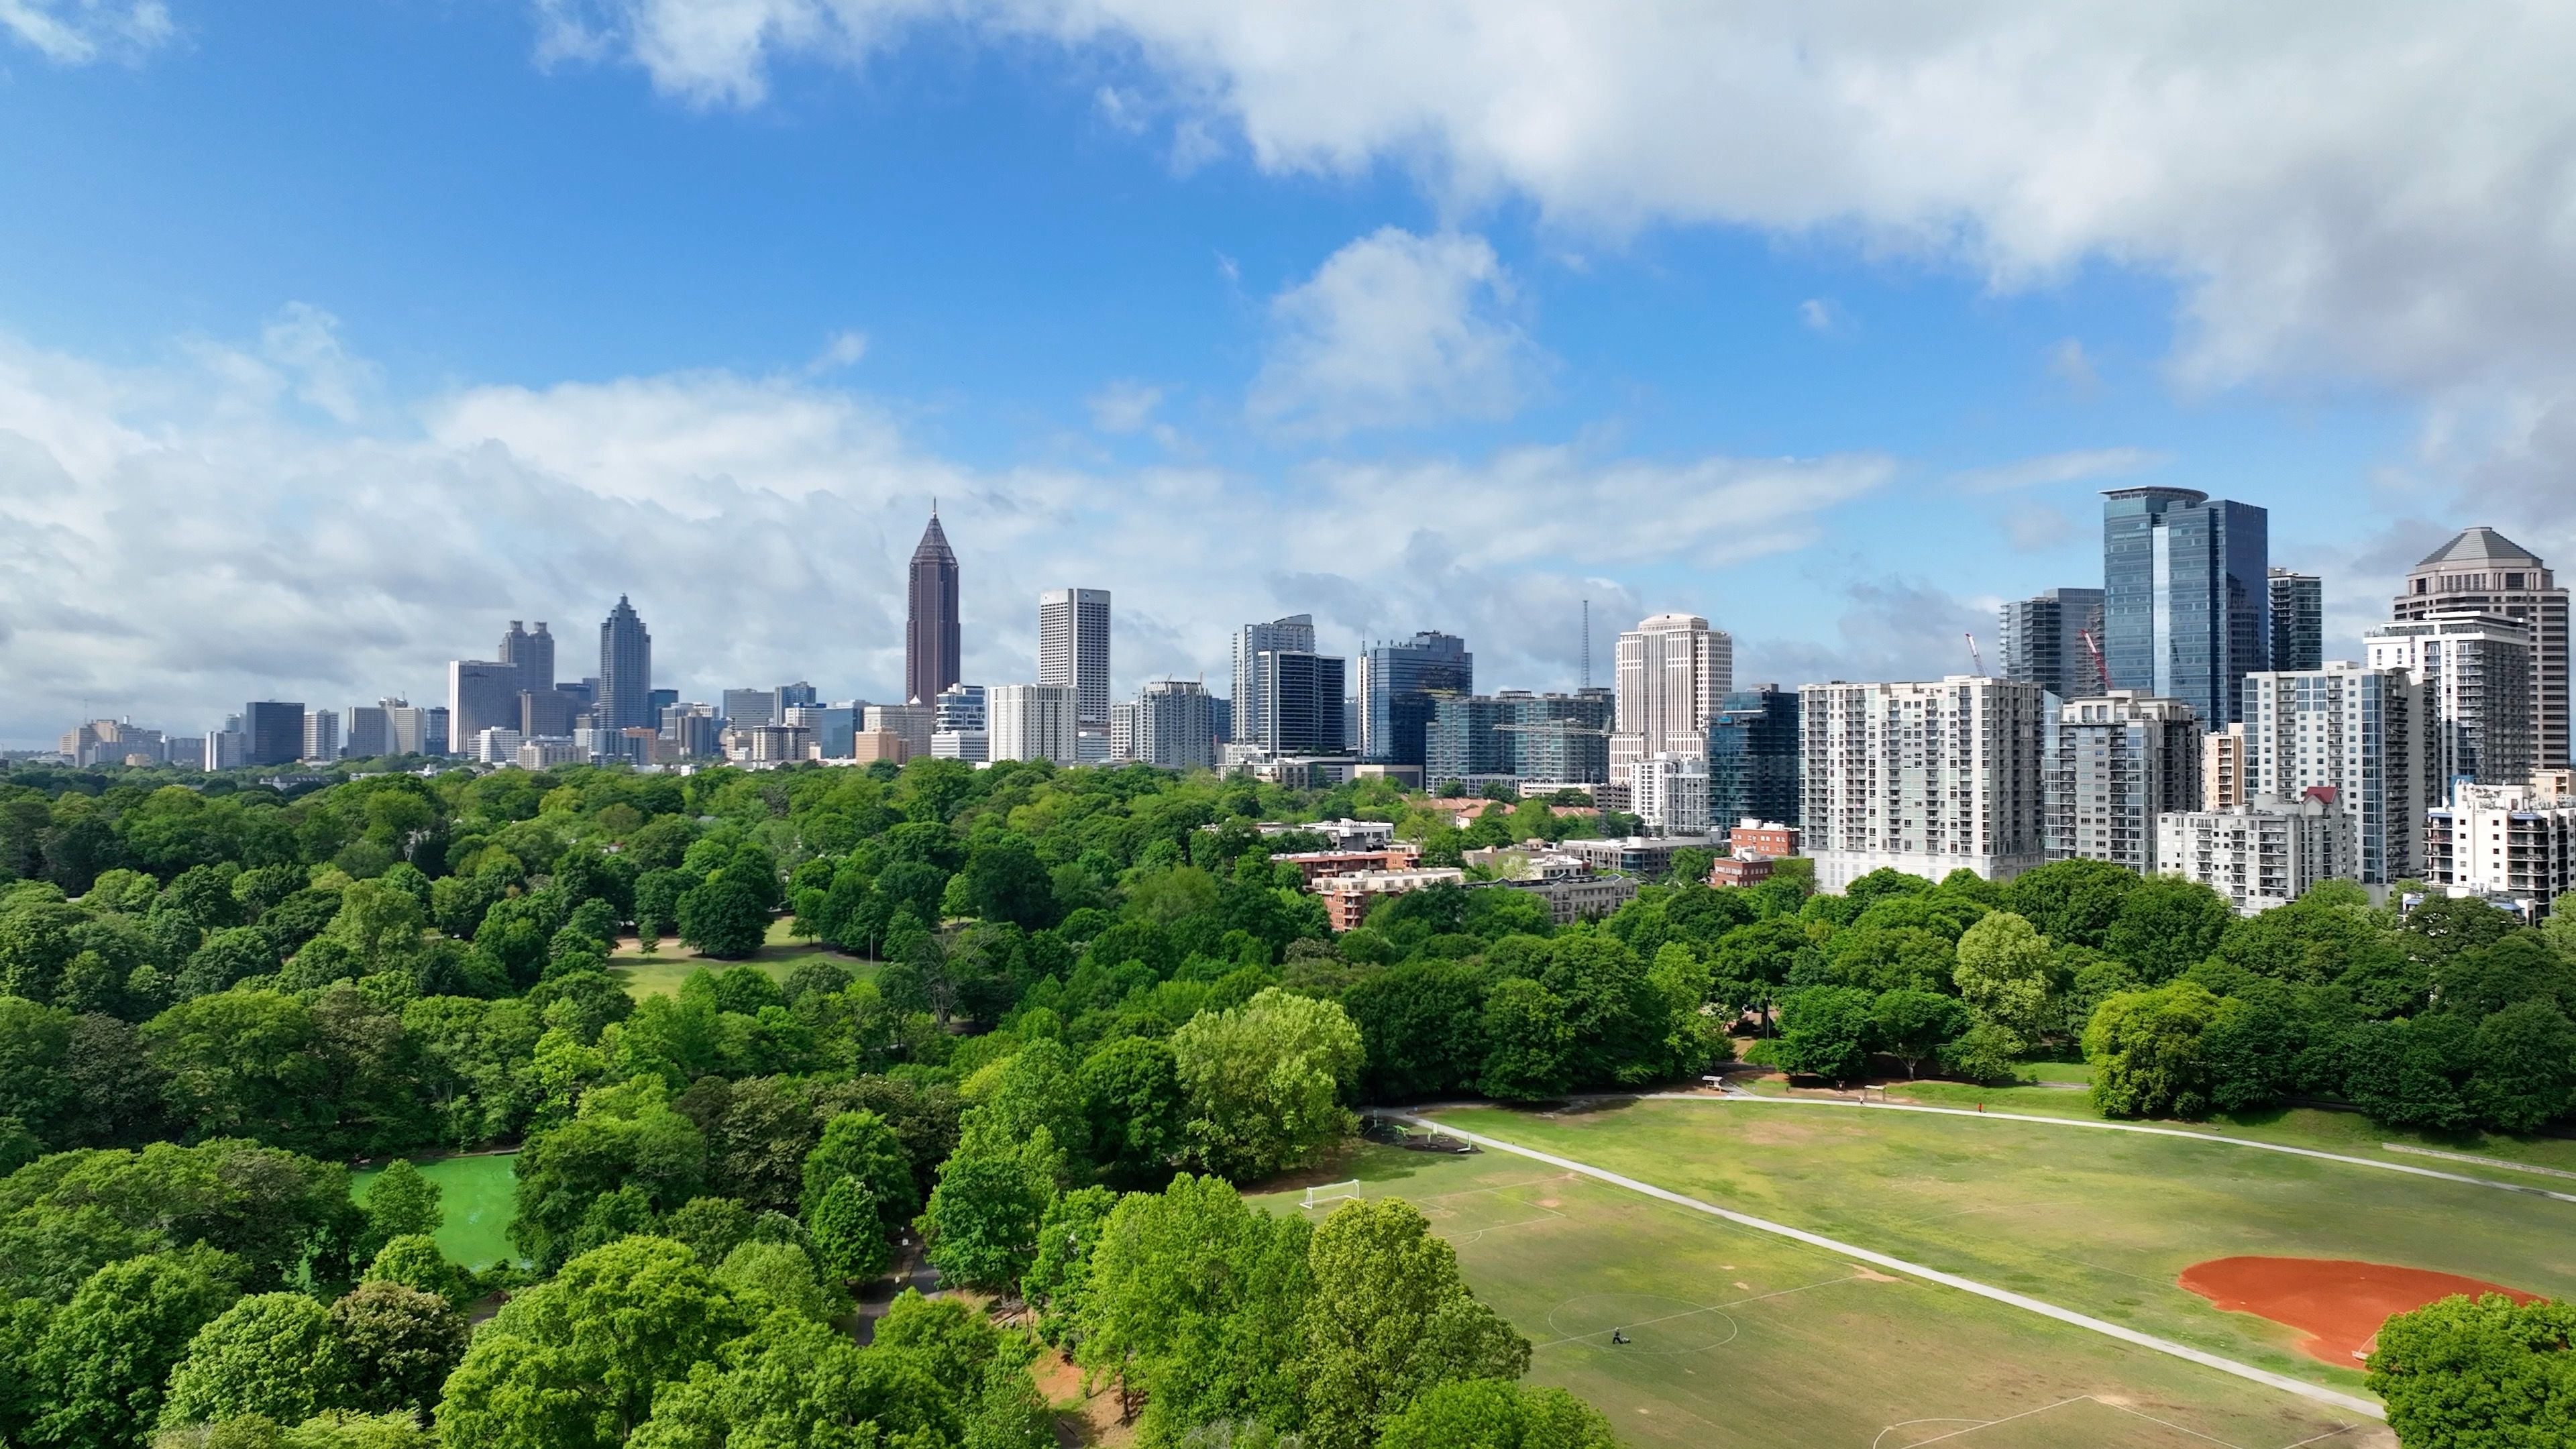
1063	1014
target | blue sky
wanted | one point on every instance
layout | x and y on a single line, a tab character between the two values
333	337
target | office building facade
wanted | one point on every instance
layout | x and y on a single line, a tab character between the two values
1033	722
2043	641
2366	734
1753	756
1398	682
1303	709
2222	768
2186	596
2120	760
482	694
2298	620
1669	794
1925	778
1561	738
2476	672
933	652
321	734
370	732
625	697
1672	671
273	732
2483	572
1073	649
1293	634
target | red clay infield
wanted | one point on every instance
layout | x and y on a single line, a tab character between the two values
2338	1303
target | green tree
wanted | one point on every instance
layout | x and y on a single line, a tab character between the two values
2525	1067
273	1355
2482	1374
575	1363
643	1146
415	1262
1984	1052
1389	1317
1058	1283
862	1145
2146	1051
1492	1414
1131	1092
723	918
778	1277
849	1235
2167	925
107	1353
2003	973
981	1227
2071	902
1265	1081
1528	1043
399	1343
1825	1032
401	1202
1913	1026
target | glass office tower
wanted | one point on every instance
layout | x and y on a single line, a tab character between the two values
2186	597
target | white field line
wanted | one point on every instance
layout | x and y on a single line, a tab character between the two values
2283	1382
2108	1127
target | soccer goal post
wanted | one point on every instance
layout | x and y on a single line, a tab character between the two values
1332	1192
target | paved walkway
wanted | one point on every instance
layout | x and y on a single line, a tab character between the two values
2284	1382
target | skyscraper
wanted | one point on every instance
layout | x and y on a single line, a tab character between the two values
2483	572
2043	641
2298	620
2122	759
1032	722
625	671
1558	738
532	654
1302	707
371	732
2368	735
932	653
1924	778
1073	649
275	731
2476	672
1174	726
321	734
1396	684
1673	670
1753	757
1295	632
2186	596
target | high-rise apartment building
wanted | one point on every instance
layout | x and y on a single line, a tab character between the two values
1073	649
226	749
2476	669
2186	596
2121	760
625	698
959	707
2261	854
1295	633
2298	620
932	653
1172	725
1398	681
2483	572
2509	841
1303	709
1753	756
2369	735
1925	778
1033	722
1557	738
321	735
1669	794
2222	768
274	731
1672	671
2043	642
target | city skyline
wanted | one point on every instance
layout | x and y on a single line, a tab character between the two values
244	461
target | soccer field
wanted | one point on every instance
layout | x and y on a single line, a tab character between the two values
477	1196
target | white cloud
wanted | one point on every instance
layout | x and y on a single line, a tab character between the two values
179	537
2070	364
1124	406
1395	330
843	350
76	32
2069	467
2038	527
1822	314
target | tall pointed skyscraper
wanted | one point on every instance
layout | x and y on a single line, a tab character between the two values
931	654
625	671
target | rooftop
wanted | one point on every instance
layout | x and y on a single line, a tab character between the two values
2480	545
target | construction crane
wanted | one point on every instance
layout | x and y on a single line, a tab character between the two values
1976	658
2101	667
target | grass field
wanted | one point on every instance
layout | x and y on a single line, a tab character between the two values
2099	1222
1740	1338
475	1193
661	973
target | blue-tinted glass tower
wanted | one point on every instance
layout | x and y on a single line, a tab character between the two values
1753	757
1397	684
2186	597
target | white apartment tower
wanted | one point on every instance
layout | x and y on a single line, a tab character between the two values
2260	855
1073	649
1032	722
2368	735
1925	778
1673	672
1670	794
2510	841
2222	768
2476	671
2121	760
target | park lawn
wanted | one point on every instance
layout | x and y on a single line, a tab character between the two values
2100	1222
661	973
1750	1341
477	1196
